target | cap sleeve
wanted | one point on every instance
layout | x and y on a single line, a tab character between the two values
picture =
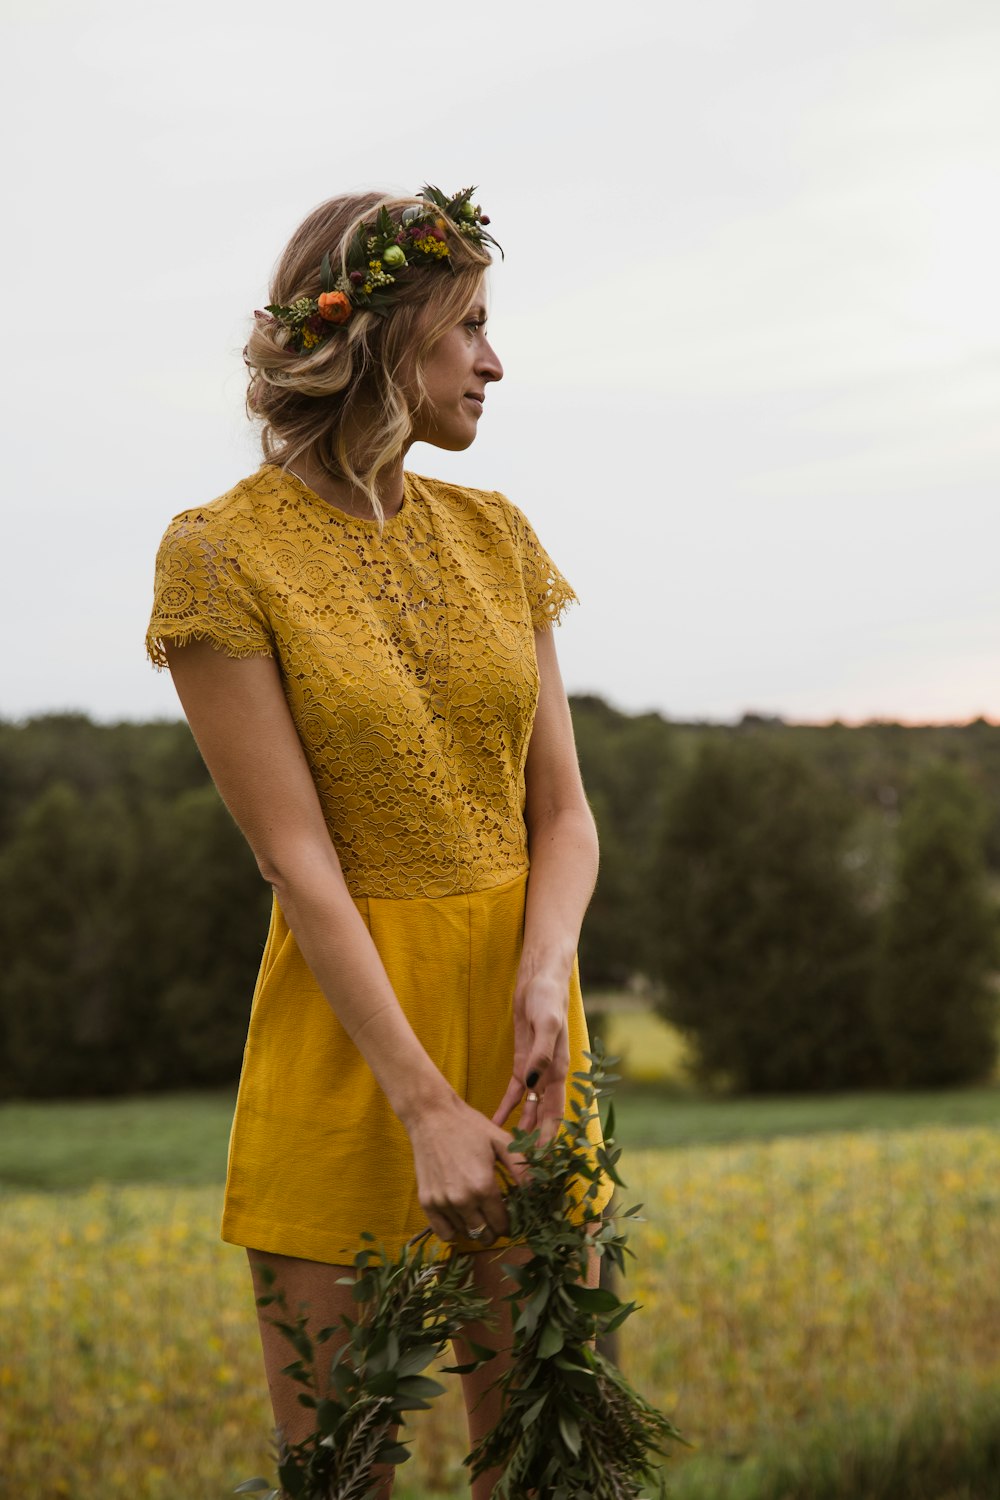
202	592
547	590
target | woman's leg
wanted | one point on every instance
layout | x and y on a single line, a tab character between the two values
313	1285
482	1404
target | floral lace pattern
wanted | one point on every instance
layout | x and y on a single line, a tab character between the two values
407	658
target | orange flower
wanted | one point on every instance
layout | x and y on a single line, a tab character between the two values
335	307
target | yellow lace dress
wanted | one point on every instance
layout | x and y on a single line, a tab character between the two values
408	661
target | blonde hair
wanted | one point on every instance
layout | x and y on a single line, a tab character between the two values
361	383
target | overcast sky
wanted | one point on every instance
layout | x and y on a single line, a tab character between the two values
749	319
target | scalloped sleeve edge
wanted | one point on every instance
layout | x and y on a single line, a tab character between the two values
156	641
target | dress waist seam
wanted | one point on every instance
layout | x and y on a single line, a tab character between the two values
362	897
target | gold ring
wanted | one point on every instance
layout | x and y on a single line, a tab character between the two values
477	1234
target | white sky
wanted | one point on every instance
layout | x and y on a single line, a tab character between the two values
749	319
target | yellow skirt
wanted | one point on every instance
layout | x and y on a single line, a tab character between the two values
316	1155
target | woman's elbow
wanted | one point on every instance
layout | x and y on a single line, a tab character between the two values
572	820
291	867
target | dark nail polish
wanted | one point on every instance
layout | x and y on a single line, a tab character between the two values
531	1079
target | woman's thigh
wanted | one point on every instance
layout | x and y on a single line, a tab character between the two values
316	1289
307	1286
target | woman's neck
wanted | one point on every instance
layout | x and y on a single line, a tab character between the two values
344	495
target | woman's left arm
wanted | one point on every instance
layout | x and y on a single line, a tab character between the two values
562	843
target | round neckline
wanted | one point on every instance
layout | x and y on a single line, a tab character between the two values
344	517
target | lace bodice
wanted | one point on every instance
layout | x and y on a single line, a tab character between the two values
407	659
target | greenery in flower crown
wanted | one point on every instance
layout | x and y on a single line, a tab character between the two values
377	255
571	1426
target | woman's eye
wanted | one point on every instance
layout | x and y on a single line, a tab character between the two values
475	324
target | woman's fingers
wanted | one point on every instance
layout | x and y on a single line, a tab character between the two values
511	1162
459	1186
529	1109
541	1056
551	1105
549	1123
442	1224
515	1092
492	1220
481	1219
547	1034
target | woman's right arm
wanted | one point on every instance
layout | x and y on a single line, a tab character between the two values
239	716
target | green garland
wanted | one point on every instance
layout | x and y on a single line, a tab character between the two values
412	1307
571	1425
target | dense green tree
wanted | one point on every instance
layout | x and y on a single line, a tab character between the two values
67	1023
205	938
625	762
132	915
143	765
937	998
131	939
765	941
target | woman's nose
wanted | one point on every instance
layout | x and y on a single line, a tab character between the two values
489	366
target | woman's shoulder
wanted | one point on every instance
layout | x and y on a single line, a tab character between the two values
206	578
486	522
237	514
467	505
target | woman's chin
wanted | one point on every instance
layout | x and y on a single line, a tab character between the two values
452	440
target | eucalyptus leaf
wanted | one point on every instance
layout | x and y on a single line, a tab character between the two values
328	1414
595	1299
535	1409
420	1385
569	1429
392	1453
342	1379
533	1309
416	1360
551	1341
620	1316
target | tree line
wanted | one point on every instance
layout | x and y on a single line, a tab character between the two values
813	906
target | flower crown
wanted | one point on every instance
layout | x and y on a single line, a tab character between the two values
373	261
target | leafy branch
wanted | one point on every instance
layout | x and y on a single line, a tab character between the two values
411	1307
571	1426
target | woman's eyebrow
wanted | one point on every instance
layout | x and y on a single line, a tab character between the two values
478	313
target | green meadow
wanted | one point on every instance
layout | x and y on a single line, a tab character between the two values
820	1306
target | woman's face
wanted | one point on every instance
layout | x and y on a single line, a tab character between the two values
456	373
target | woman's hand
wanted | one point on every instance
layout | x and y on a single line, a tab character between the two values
541	1056
456	1151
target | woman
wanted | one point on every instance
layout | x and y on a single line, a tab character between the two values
365	659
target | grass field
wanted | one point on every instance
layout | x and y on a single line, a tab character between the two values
785	1284
821	1305
181	1138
